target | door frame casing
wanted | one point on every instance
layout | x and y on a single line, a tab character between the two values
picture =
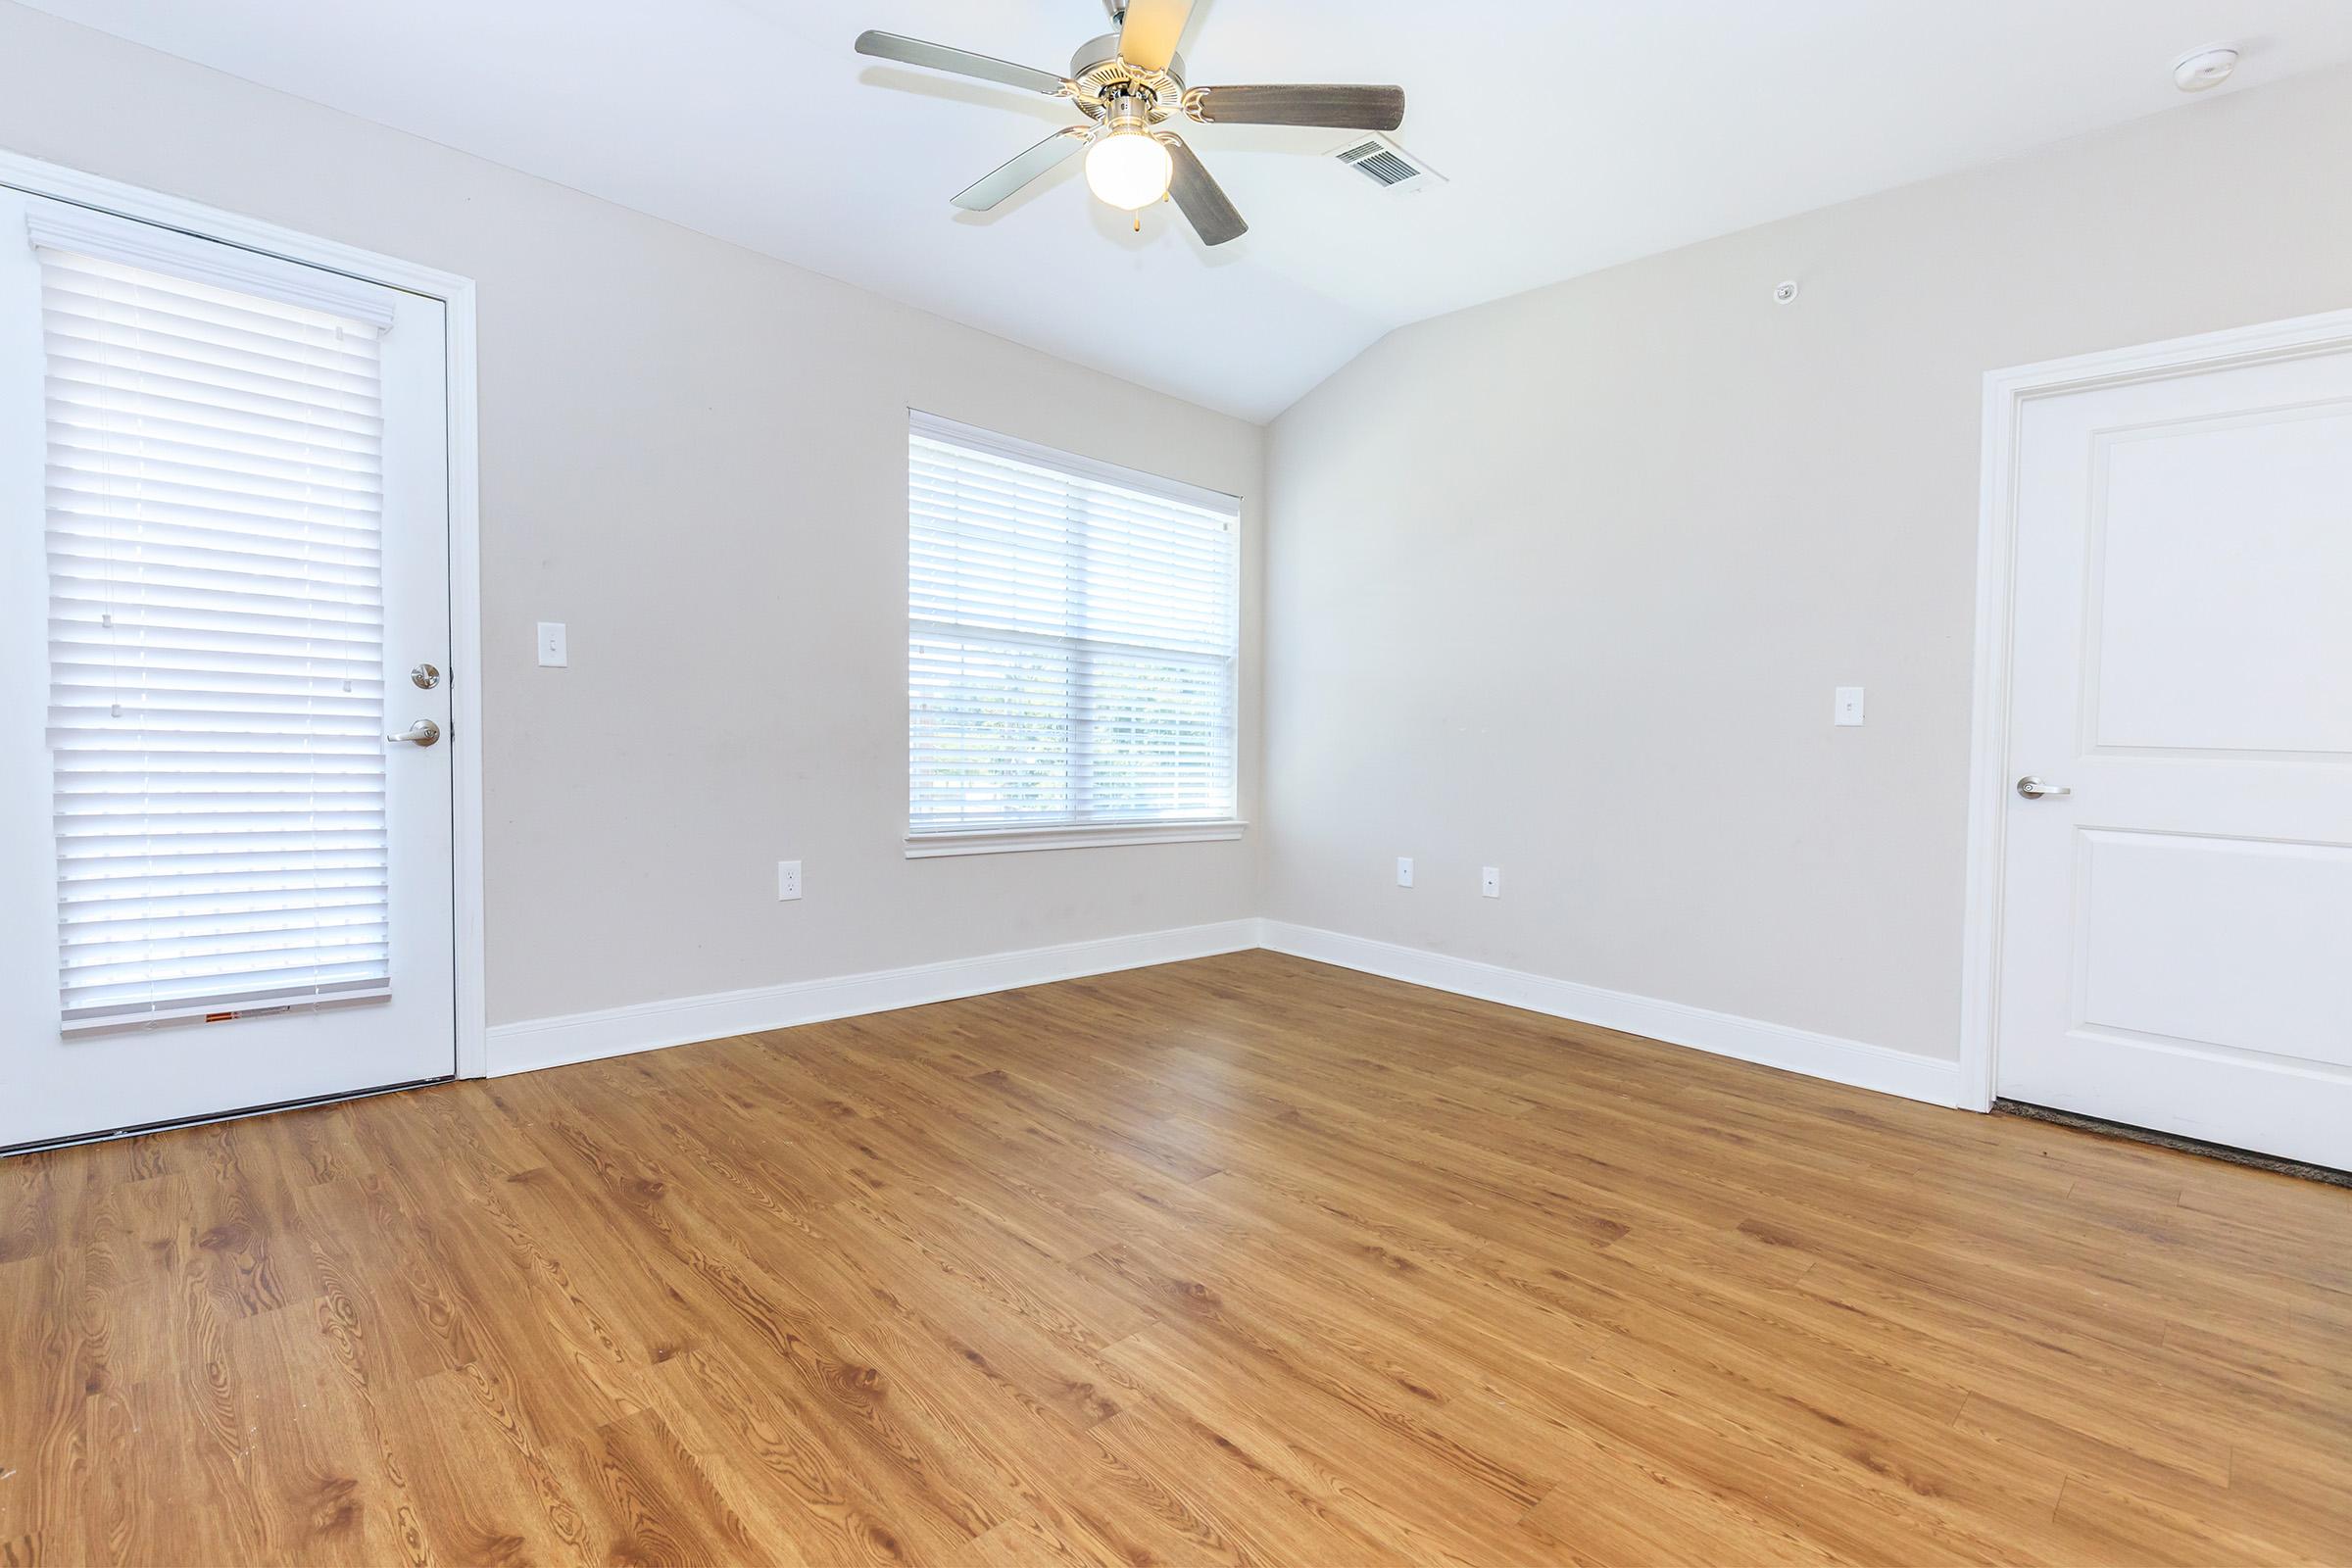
455	293
2006	395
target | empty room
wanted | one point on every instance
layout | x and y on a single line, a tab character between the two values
1164	782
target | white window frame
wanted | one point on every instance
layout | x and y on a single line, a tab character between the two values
35	177
1071	835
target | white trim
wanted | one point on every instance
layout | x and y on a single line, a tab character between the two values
2007	393
653	1025
534	1044
58	184
1720	1034
1066	836
68	226
955	433
465	680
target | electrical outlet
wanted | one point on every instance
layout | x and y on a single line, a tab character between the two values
553	651
1848	708
1490	881
788	879
1405	870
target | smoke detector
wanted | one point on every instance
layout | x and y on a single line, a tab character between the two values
2201	69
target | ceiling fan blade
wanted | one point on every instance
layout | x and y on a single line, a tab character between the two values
1002	181
1148	37
1340	107
962	62
1212	214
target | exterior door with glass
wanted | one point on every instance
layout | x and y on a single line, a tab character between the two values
225	877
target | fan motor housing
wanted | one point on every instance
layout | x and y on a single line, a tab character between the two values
1101	73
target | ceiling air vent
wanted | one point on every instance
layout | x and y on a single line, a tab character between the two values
1387	164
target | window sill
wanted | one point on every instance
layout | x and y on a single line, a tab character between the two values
1000	841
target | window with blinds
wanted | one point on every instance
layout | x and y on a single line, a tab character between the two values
216	615
1071	641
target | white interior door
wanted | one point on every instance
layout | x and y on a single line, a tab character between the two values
2177	931
224	535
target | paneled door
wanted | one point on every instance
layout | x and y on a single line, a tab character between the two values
225	876
2176	929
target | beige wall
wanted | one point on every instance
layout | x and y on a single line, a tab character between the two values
695	457
1563	583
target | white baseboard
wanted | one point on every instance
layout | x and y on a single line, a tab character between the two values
651	1026
540	1043
1773	1045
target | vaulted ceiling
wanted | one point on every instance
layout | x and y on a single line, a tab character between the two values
1574	134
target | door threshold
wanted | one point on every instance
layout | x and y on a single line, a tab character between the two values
108	1135
2187	1146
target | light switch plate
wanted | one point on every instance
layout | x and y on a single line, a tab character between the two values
1405	870
1848	708
554	654
788	880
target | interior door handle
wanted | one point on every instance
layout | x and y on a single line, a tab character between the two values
421	733
2033	789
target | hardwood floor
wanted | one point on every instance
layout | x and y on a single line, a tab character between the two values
1247	1259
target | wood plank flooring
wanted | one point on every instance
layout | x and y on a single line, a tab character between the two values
1242	1260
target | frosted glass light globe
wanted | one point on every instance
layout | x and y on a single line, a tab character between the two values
1128	169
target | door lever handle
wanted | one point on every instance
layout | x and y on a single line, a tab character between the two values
2033	789
421	733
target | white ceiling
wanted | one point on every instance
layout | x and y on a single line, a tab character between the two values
1663	122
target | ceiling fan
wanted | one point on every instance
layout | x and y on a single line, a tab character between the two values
1126	83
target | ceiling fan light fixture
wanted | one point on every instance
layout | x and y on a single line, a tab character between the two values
1128	169
1126	85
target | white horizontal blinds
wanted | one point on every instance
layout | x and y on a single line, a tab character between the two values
1072	640
216	640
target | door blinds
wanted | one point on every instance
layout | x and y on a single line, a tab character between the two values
216	629
1071	637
